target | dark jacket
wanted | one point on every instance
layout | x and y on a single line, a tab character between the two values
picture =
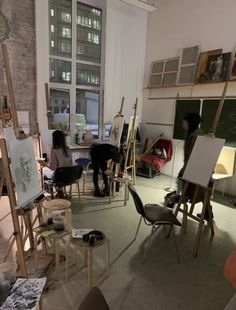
102	152
188	147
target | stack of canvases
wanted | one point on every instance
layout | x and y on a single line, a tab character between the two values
194	67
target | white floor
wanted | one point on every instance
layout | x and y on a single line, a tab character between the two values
160	283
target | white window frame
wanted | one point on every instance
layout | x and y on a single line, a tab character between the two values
43	56
162	73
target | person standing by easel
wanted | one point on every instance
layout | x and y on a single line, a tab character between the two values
190	124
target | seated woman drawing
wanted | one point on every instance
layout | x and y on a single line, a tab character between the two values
60	156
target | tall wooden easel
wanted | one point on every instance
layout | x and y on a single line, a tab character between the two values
207	193
16	236
130	158
22	220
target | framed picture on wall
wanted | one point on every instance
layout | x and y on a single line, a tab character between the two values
188	65
164	72
202	65
218	68
233	71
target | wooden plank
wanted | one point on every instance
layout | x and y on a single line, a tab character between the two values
10	88
12	200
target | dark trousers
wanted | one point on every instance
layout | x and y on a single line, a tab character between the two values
99	164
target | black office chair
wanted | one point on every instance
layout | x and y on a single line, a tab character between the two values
94	300
66	176
155	216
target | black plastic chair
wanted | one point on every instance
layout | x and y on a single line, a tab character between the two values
67	176
94	300
155	216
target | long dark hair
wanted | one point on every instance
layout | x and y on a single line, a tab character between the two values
59	141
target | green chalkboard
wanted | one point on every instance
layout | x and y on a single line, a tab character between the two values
226	128
182	108
209	109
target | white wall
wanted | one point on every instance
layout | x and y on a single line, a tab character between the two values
178	24
125	57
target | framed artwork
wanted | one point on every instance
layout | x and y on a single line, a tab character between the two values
202	64
24	171
164	72
233	71
218	68
116	130
188	65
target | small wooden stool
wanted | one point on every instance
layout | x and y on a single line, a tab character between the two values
59	205
57	238
79	244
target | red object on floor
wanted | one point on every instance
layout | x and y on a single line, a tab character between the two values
159	162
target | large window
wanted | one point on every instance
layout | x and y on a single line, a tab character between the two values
75	48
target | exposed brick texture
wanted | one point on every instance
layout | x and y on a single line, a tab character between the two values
21	47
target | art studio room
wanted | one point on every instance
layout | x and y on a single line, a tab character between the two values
117	155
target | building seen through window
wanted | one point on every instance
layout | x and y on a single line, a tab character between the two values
80	70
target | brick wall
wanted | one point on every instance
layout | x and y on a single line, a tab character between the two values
22	54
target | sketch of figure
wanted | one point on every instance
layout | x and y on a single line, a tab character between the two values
114	133
24	172
116	130
215	69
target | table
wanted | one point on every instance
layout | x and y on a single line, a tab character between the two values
79	244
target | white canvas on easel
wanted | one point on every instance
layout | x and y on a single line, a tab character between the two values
203	159
116	130
24	171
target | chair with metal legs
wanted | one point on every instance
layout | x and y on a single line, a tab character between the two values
155	216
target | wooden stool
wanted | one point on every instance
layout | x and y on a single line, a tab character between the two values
123	181
79	244
59	205
57	238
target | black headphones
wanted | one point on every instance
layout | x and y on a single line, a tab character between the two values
93	236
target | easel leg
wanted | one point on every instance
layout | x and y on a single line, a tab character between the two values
211	223
185	218
201	223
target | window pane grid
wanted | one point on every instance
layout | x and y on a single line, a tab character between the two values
85	63
89	24
60	30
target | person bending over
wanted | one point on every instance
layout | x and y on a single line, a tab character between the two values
60	156
100	154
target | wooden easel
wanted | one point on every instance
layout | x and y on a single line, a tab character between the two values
22	220
207	193
130	160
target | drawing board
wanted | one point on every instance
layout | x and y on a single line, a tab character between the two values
24	171
203	159
131	125
116	130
